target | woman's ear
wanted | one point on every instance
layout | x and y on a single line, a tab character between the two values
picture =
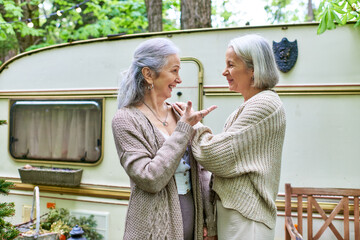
148	75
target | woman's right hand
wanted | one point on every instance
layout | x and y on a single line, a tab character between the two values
190	116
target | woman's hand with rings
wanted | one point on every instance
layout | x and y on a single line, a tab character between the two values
190	116
207	112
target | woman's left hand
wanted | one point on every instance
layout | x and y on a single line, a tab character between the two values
206	237
188	114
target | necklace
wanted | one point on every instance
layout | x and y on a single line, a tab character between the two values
164	123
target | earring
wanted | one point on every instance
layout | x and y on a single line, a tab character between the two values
150	87
252	78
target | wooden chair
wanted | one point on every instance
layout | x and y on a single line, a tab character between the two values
342	197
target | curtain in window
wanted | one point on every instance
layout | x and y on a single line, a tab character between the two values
70	133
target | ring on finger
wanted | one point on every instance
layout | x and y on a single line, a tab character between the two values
202	116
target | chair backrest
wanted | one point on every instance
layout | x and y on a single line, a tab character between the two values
345	200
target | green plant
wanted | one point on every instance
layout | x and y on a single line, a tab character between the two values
7	230
3	122
60	221
338	11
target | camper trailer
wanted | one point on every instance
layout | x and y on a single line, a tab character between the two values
77	84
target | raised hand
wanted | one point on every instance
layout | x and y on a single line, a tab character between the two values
190	116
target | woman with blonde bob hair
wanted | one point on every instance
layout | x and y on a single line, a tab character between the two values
245	159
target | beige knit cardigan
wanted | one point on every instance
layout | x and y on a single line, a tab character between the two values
151	161
246	158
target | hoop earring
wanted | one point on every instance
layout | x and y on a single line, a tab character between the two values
150	87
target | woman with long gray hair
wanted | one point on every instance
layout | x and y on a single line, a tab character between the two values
169	190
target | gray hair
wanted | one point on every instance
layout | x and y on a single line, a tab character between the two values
257	54
153	54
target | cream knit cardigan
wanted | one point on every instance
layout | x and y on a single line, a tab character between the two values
151	161
246	158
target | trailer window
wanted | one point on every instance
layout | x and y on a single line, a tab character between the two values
56	130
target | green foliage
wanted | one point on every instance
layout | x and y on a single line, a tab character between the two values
2	122
169	22
222	15
53	216
338	12
88	225
13	13
59	220
279	13
98	18
7	230
225	15
4	185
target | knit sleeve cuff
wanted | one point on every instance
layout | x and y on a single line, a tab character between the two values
184	127
197	126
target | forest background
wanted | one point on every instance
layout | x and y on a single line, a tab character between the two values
30	24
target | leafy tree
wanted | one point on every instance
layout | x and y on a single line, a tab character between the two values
194	13
16	35
171	7
279	12
64	21
338	12
225	14
29	24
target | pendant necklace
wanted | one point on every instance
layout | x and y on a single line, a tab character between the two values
164	123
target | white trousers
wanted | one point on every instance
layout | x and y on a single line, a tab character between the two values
233	226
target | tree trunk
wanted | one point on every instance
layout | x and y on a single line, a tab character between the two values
154	15
195	14
310	14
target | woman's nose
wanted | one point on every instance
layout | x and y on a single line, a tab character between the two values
225	72
178	80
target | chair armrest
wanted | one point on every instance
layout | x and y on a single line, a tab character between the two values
291	229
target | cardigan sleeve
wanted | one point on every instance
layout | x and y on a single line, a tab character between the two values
151	171
228	154
208	196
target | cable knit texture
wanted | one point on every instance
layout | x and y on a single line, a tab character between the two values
246	158
151	161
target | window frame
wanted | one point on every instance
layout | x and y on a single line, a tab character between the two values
99	100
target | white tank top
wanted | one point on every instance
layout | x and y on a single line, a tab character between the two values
182	173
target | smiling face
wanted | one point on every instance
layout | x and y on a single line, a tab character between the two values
168	77
237	74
